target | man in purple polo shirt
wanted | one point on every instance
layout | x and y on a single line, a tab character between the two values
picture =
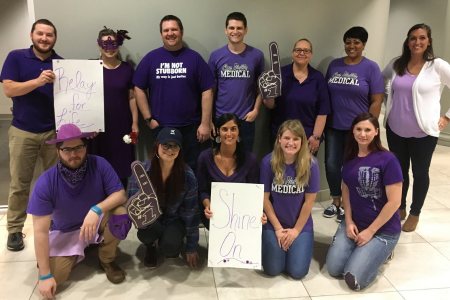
27	78
76	203
236	67
179	85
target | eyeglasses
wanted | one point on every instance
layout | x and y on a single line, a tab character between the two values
174	147
298	51
76	149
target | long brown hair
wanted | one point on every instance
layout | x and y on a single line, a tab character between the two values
352	149
401	63
174	186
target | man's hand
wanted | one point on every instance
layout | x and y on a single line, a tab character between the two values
47	288
313	144
89	227
46	76
251	116
153	124
203	132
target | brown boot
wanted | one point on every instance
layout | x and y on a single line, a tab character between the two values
113	272
402	214
410	223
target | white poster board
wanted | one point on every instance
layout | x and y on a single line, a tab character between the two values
78	93
235	228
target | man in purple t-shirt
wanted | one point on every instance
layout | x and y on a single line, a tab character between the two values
27	79
179	85
236	67
74	204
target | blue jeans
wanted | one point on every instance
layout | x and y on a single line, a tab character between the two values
247	135
334	157
361	264
295	262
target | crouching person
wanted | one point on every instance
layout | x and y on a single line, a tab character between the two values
72	206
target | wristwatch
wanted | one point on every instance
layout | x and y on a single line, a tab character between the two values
316	137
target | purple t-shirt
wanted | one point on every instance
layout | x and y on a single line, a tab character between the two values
402	105
118	119
175	81
236	76
303	101
288	198
350	88
207	172
68	204
366	179
32	112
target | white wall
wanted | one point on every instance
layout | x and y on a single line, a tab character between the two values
15	25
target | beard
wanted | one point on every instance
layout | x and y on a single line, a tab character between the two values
74	162
38	48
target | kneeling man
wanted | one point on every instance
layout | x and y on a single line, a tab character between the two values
71	205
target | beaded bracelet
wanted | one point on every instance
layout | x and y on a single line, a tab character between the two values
45	277
97	210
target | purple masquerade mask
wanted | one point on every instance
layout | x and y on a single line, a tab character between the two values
108	45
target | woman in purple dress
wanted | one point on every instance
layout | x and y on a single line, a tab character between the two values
121	115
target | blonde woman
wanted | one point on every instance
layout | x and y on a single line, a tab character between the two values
291	181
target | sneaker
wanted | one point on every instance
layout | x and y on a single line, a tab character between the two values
113	272
15	241
340	215
330	211
151	257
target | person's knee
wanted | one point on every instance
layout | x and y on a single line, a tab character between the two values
170	248
298	273
272	269
352	281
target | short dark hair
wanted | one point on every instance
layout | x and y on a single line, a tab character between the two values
351	149
356	32
238	16
44	22
170	18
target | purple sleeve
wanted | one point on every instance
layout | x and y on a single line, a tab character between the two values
203	178
142	74
324	97
41	203
111	182
314	178
205	76
266	174
10	70
376	84
392	172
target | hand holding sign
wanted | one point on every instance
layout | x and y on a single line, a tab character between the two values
143	207
269	82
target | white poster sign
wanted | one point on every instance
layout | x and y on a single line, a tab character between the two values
78	93
235	228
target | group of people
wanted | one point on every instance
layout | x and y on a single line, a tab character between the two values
80	199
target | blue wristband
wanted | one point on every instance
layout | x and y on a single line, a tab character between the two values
97	210
45	277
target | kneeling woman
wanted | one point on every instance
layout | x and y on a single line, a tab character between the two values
371	194
176	188
291	181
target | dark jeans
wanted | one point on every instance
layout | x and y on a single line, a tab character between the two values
191	147
169	236
247	135
335	141
418	152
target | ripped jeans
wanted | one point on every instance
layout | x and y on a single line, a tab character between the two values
358	265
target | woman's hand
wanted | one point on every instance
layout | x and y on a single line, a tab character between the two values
313	144
364	237
192	260
264	219
443	122
279	233
352	231
289	237
207	210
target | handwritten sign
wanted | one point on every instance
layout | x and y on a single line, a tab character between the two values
78	93
235	228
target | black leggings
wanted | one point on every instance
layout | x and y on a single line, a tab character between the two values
170	236
418	151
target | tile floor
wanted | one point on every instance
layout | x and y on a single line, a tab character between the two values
420	269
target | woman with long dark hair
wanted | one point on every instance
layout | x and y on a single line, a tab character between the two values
413	117
176	189
371	192
227	161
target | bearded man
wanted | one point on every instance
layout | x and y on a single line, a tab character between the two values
27	78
